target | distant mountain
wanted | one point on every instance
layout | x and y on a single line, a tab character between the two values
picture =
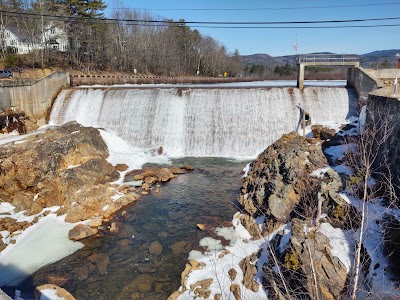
373	59
379	58
259	59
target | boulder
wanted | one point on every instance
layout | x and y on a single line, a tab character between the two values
81	231
40	292
322	132
275	183
314	250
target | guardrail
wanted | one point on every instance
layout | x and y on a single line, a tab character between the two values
334	58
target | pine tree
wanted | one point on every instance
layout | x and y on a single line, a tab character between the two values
84	8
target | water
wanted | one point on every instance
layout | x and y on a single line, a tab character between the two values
218	122
205	195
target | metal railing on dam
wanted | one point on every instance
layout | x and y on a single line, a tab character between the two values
304	60
328	58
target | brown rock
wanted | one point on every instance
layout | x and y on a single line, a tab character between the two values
235	289
80	232
156	248
322	132
121	167
101	260
188	168
62	293
200	288
249	271
145	187
150	180
232	274
180	247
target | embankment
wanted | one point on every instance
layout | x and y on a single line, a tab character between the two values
34	97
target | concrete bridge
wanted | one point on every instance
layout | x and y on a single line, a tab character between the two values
323	60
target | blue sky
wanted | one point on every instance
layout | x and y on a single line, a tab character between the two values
280	41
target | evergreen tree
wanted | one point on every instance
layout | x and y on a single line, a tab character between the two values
83	8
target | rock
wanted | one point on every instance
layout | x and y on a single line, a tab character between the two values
121	167
4	296
177	170
201	226
57	280
150	180
64	166
180	247
249	271
232	274
140	284
331	273
80	232
322	132
114	228
235	289
101	261
60	292
2	245
96	222
217	297
156	248
200	288
276	182
188	168
145	187
174	295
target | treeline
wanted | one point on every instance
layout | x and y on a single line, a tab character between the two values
126	41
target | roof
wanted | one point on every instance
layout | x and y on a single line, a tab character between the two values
20	34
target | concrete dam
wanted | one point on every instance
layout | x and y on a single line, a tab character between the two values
219	122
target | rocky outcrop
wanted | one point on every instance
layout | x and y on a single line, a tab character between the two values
291	181
66	167
280	180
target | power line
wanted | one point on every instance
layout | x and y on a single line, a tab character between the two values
201	22
261	8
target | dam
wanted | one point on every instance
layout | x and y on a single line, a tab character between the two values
202	122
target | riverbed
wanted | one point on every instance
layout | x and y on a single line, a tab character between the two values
146	252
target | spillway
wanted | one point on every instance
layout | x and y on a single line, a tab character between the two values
220	122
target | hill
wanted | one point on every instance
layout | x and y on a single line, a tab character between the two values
375	59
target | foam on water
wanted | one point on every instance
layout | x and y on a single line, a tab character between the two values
221	122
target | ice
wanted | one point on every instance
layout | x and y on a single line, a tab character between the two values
246	170
319	173
41	244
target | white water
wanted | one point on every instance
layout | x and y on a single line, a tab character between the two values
201	122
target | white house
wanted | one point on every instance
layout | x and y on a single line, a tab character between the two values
22	42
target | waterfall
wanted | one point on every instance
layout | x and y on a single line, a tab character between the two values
222	122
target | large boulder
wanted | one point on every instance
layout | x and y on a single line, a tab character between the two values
64	166
275	183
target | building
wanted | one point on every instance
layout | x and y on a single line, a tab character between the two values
22	41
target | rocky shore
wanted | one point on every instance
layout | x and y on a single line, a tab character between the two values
64	172
295	235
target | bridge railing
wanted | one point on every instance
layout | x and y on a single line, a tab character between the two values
333	58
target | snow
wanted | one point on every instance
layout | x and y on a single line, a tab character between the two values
246	170
219	260
41	244
319	173
340	242
123	153
50	294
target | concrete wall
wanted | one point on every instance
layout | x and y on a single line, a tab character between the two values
34	97
387	73
385	110
363	81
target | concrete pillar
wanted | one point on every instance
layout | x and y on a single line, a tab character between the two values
300	76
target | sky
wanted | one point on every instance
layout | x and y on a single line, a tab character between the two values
277	42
